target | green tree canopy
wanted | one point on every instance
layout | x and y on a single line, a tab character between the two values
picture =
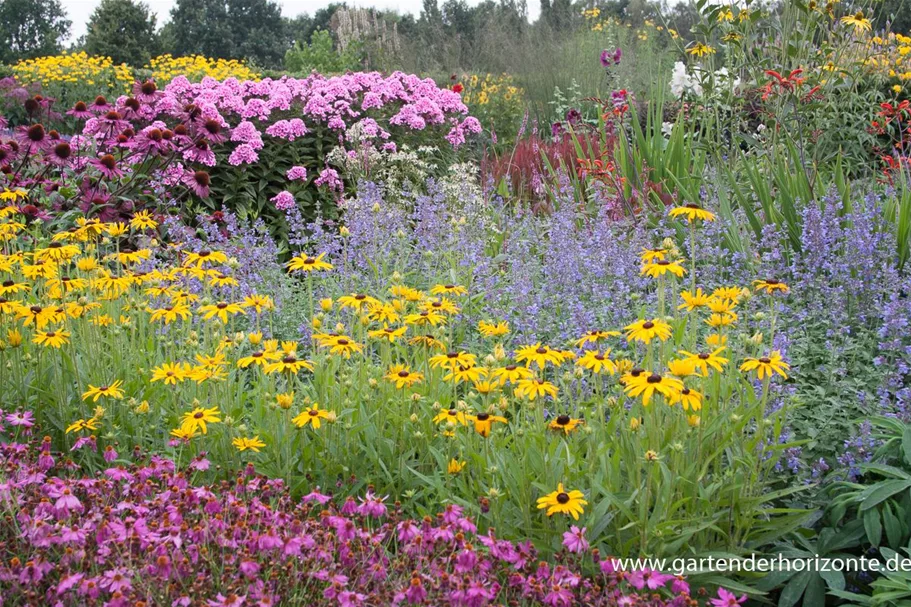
122	30
31	28
228	29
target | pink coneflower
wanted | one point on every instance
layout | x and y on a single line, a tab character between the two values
146	92
115	580
129	108
198	182
107	166
60	154
100	105
213	131
21	418
416	592
727	599
80	110
316	496
33	137
151	140
648	578
110	454
201	153
574	540
232	600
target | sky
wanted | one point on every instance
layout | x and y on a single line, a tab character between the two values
80	10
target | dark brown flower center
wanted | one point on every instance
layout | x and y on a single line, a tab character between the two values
563	497
563	420
654	378
648	325
765	360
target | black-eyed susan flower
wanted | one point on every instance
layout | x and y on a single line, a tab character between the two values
406	293
716	340
389	334
485	386
184	434
312	416
199	418
688	399
425	318
220	279
343	346
704	360
428	341
243	444
441	305
403	377
692	212
732	293
662	267
203	257
453	360
766	366
79	425
693	300
111	390
493	329
647	384
448	290
647	330
510	374
169	314
259	303
36	316
483	422
170	373
562	501
455	466
539	355
858	22
222	310
51	339
534	388
597	362
721	320
56	252
466	373
383	312
288	362
770	286
565	423
682	367
652	255
358	302
11	287
260	358
700	49
594	337
305	263
143	220
452	417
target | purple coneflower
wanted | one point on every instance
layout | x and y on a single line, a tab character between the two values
198	182
107	166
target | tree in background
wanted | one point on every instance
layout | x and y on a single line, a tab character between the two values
228	29
897	13
258	31
31	28
122	30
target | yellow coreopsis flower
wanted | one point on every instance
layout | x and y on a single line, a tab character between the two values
253	444
111	390
198	418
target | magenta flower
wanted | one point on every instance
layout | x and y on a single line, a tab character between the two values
21	418
198	182
574	540
727	599
648	578
284	200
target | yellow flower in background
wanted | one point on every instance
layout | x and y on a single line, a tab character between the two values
858	22
770	286
535	388
492	329
597	362
700	49
562	501
691	301
662	267
305	263
455	466
83	424
565	423
253	444
111	390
